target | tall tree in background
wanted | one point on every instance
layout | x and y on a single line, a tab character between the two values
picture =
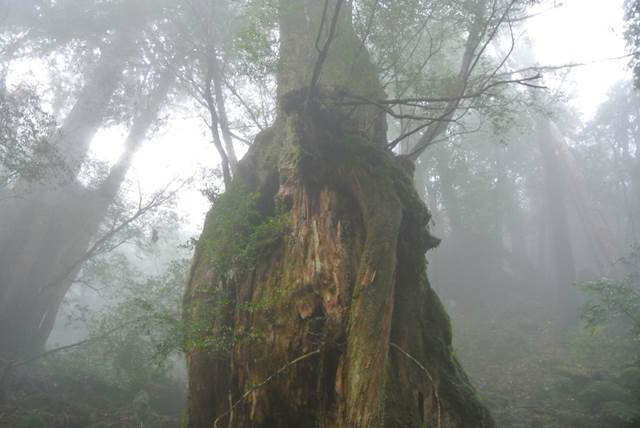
632	34
51	231
556	190
199	35
612	139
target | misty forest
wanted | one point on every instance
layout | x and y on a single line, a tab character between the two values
319	213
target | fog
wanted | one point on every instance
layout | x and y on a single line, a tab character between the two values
210	213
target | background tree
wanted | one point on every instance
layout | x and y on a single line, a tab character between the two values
52	231
25	153
632	33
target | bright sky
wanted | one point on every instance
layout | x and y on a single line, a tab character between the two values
172	155
576	31
584	31
177	152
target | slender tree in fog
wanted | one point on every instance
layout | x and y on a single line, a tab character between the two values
51	231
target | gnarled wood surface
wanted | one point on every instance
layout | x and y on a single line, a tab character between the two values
331	321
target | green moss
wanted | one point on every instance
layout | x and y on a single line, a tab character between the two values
238	233
623	411
265	304
203	314
184	420
235	236
264	237
384	218
289	156
226	229
33	421
602	391
234	217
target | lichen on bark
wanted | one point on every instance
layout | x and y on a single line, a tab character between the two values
332	322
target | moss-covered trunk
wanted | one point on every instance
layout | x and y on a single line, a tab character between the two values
308	303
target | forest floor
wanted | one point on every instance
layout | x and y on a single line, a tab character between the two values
45	397
529	373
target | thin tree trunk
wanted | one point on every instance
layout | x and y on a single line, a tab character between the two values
441	125
222	114
214	123
595	224
511	217
561	241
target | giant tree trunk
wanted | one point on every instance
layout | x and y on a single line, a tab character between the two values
308	303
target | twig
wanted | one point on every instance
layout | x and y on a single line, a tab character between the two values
412	358
13	364
157	200
424	369
263	383
321	27
322	55
244	104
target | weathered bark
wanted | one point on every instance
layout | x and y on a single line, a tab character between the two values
51	244
342	281
308	303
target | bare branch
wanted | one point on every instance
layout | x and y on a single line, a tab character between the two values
264	382
322	55
246	107
99	245
11	365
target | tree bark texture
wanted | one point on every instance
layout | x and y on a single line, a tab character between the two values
317	250
308	303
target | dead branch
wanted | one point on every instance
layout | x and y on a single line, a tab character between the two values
322	55
264	382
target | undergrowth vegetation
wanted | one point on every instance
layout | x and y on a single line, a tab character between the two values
532	375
